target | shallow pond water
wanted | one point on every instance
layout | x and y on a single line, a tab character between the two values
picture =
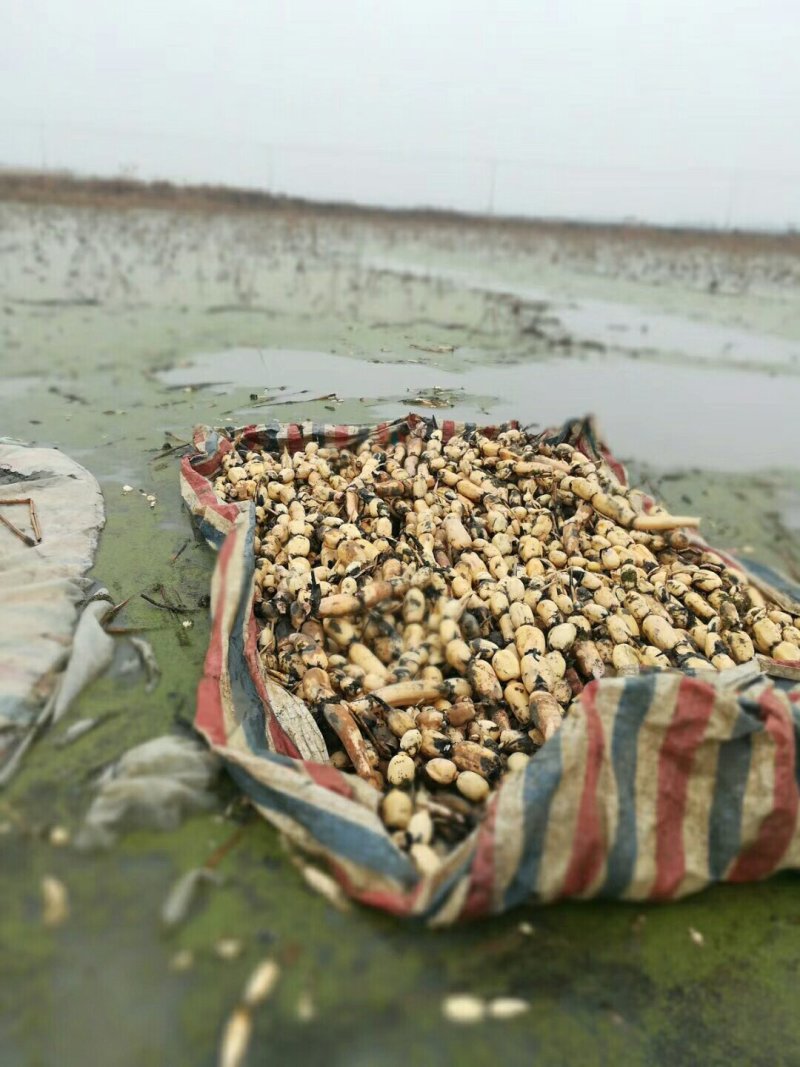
658	411
630	329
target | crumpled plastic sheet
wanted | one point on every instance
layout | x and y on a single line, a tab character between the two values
153	786
42	589
91	654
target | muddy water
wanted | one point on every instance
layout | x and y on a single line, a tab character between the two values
651	409
119	332
627	328
633	330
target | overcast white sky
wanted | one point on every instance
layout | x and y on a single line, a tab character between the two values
671	110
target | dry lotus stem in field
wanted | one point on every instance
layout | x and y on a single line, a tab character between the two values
438	605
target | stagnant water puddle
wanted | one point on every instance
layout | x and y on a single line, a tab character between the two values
633	329
668	415
626	328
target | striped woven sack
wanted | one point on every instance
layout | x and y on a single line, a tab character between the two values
655	786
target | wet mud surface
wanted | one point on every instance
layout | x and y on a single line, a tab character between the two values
119	330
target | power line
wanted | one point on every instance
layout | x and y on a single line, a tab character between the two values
479	158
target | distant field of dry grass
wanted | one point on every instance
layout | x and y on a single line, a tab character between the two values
61	187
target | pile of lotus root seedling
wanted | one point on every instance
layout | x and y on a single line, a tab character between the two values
437	606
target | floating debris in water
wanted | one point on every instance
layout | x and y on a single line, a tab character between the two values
183	960
437	397
55	901
153	785
323	884
437	349
697	937
261	983
150	498
305	1011
228	948
184	893
75	731
463	1008
505	1008
59	836
235	1038
239	1027
147	656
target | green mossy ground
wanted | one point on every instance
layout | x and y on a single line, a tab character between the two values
608	983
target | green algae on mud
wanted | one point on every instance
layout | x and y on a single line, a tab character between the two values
95	304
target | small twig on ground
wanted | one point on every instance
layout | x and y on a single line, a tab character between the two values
115	609
219	853
173	608
31	542
171	450
181	550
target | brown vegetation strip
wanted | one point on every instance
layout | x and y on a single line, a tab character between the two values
64	188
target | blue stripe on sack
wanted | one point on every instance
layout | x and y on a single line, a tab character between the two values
246	700
209	444
635	702
542	777
214	537
733	767
786	686
270	432
349	840
439	898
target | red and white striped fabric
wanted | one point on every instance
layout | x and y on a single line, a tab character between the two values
655	786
